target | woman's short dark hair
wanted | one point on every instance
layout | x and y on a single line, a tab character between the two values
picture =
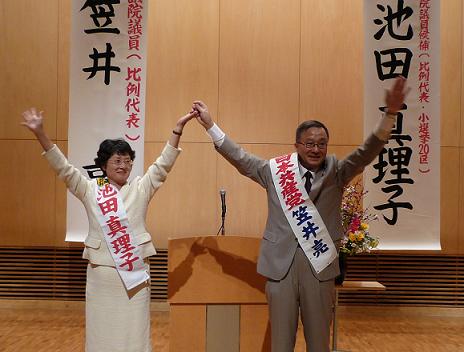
112	146
309	124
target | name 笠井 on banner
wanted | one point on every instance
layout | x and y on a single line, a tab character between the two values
402	37
107	88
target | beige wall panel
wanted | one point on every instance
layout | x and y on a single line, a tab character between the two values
451	71
28	63
461	203
246	199
332	67
27	209
449	203
182	64
341	151
186	205
64	47
258	71
255	329
462	80
252	72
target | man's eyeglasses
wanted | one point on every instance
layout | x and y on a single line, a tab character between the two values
119	162
311	145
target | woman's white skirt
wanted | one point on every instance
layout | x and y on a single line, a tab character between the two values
117	320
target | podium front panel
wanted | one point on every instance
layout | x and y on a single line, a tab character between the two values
214	269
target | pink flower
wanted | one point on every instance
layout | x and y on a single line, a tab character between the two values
354	226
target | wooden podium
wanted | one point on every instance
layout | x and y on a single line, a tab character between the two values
216	296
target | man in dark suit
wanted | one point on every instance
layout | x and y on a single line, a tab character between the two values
299	262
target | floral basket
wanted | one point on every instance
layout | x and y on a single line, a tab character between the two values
355	222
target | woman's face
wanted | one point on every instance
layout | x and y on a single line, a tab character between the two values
118	168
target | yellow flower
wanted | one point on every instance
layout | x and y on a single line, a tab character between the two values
352	236
360	235
364	226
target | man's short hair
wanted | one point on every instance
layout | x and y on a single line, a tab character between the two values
309	124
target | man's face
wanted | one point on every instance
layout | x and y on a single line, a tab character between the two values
312	147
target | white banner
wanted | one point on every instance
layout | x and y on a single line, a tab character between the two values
107	88
402	37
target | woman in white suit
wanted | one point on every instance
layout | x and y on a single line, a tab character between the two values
118	245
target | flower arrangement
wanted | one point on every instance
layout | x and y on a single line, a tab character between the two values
355	221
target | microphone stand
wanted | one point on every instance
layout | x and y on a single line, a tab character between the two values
223	222
222	229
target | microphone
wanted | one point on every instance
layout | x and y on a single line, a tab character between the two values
222	193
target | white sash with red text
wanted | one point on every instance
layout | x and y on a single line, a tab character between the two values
118	235
301	213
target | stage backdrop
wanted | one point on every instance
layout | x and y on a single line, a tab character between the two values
107	88
402	38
